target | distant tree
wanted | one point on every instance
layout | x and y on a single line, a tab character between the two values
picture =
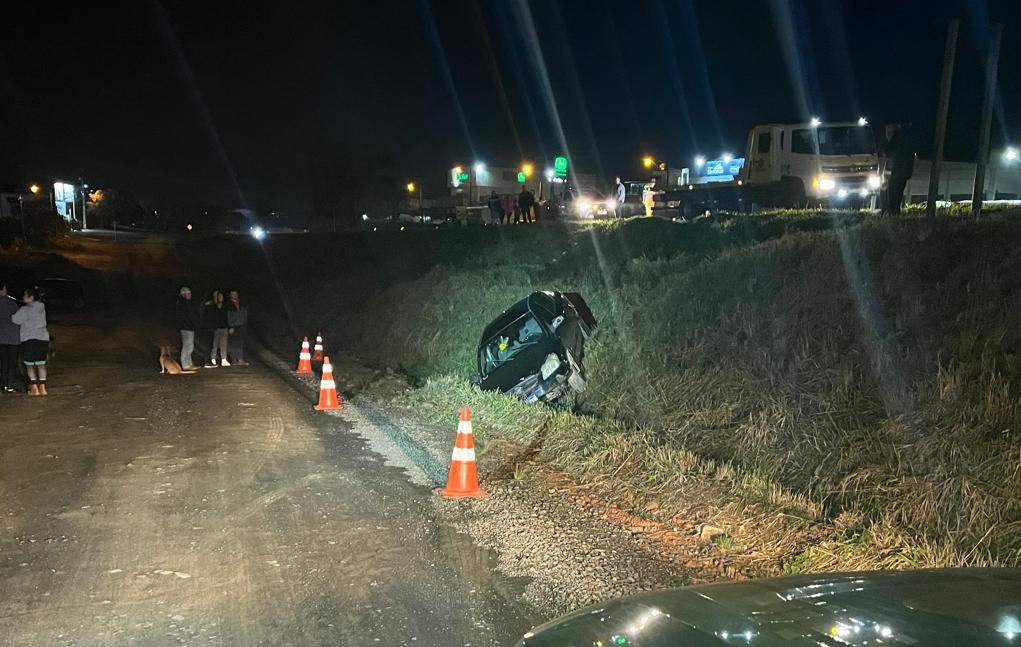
108	208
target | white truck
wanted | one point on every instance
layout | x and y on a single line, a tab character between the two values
785	165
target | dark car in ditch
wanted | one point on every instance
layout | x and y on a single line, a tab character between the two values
925	608
535	349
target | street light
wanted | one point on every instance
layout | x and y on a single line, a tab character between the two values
1011	154
412	189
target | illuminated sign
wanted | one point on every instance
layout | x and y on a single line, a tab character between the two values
522	177
64	196
560	167
721	170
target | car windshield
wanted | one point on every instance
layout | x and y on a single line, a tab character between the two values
834	140
511	340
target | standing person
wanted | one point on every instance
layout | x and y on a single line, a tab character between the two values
35	340
524	206
900	165
495	208
508	209
214	317
621	198
10	337
237	323
186	314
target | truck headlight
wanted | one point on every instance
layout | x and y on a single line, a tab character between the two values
549	365
874	181
827	183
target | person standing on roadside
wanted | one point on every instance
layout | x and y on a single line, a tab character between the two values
237	323
214	316
495	208
35	340
186	315
508	210
524	206
900	165
10	338
621	198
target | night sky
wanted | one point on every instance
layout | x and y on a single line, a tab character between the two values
279	105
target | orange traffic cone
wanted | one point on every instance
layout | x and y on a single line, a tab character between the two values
463	481
304	358
317	350
328	398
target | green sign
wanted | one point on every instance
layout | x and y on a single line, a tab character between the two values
462	177
522	177
560	167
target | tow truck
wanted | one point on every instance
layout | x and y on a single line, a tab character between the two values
785	165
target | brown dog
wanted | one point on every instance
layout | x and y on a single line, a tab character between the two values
170	365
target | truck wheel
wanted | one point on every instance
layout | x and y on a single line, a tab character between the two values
792	192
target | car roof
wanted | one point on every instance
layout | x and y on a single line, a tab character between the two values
924	607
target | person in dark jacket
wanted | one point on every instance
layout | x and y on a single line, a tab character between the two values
10	339
900	165
186	315
237	324
214	317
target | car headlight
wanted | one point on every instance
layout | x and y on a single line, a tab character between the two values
827	183
549	365
874	181
584	206
611	205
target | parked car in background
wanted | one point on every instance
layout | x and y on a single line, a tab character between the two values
535	349
61	293
925	608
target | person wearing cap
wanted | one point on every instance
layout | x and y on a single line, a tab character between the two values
187	317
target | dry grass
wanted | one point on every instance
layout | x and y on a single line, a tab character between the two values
865	376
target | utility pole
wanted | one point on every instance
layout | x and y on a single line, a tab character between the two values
83	186
978	191
941	119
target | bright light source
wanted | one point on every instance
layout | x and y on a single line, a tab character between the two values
874	181
549	174
815	122
258	233
189	227
699	160
727	157
527	169
365	216
1011	154
411	187
479	167
647	161
862	121
34	188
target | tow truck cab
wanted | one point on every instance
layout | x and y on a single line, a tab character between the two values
834	161
785	165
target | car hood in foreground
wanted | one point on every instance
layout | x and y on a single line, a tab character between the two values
959	607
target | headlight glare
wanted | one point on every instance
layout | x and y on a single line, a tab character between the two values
549	365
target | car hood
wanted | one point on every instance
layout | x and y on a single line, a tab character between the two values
959	607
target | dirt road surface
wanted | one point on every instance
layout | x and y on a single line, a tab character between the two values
218	508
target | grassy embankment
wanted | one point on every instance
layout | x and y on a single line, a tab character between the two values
832	392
